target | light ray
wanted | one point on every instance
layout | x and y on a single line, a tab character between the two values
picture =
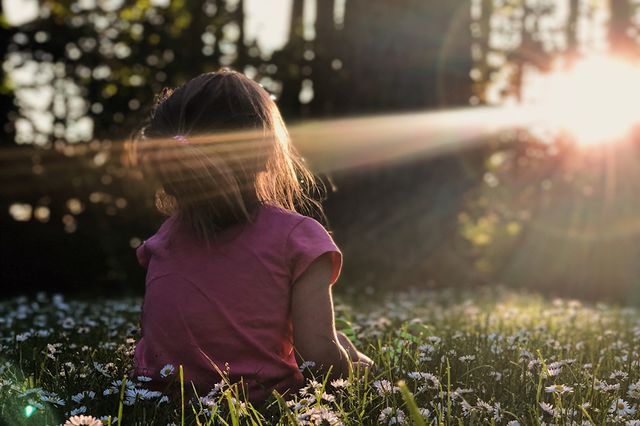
332	145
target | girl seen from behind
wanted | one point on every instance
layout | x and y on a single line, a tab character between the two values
237	280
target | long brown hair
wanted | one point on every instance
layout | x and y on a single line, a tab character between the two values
218	148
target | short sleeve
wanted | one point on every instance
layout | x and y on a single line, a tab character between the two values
143	255
307	241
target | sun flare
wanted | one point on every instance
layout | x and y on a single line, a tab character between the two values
596	100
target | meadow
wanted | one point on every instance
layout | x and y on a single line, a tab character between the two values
485	357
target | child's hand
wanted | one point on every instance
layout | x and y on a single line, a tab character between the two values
362	367
354	354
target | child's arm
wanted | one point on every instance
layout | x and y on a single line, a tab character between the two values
314	333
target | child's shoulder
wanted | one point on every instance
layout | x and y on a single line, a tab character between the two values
275	216
281	216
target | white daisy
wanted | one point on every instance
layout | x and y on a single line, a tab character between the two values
558	389
83	421
78	410
385	387
621	408
167	370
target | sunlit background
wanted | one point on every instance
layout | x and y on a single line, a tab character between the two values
467	142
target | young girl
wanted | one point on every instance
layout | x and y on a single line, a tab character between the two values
237	280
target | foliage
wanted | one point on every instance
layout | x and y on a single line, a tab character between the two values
493	357
548	212
84	74
97	67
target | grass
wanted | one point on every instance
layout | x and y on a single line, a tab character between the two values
490	357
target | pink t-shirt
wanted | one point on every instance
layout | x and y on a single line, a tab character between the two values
228	304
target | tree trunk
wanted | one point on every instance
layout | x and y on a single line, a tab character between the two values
7	106
619	41
289	62
323	74
241	59
572	31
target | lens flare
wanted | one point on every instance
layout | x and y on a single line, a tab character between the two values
595	100
29	410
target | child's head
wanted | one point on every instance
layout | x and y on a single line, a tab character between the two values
218	148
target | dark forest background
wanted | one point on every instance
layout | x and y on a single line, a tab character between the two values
70	214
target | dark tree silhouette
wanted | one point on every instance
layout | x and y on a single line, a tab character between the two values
7	106
620	21
387	56
572	29
326	60
290	63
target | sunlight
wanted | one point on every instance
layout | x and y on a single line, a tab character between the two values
596	100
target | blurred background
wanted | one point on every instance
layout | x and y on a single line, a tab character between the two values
495	142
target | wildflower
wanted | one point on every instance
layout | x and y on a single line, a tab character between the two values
548	408
138	394
101	369
432	382
52	398
459	392
384	387
552	371
467	358
558	389
215	390
83	421
78	410
53	349
43	333
533	364
618	375
484	406
467	409
427	348
311	389
606	387
115	387
167	370
328	397
634	390
621	408
319	416
525	355
22	336
340	383
497	412
434	340
239	406
208	400
68	323
30	391
392	416
297	405
307	365
144	378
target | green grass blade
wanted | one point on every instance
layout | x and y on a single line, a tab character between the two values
407	396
